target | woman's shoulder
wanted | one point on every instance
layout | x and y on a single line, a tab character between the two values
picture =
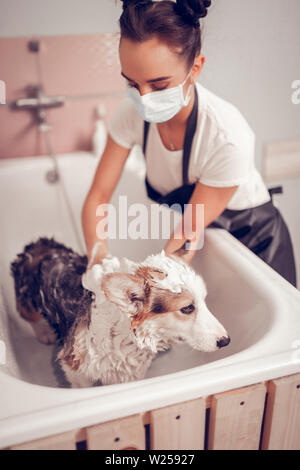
126	108
223	117
126	124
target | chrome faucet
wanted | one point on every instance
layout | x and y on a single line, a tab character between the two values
38	102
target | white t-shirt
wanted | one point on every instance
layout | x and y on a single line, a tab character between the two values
222	153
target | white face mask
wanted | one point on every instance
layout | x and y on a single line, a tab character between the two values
162	105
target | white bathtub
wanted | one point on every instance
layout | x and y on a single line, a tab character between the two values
259	309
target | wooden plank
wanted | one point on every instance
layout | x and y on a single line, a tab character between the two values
119	434
180	426
64	441
236	418
282	418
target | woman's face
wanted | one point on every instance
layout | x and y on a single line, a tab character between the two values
151	66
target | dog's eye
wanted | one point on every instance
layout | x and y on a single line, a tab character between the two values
158	307
188	309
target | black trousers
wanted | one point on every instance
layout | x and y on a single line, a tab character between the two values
263	230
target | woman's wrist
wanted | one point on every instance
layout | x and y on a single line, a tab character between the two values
99	251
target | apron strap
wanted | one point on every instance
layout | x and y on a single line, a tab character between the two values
146	129
275	190
188	138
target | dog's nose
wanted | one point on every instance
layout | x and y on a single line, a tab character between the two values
223	341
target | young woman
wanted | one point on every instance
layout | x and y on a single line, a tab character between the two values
198	147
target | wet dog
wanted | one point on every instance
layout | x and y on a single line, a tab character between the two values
110	320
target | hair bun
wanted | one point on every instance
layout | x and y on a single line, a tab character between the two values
126	3
192	10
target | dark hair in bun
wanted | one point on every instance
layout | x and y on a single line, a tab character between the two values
175	23
192	10
133	2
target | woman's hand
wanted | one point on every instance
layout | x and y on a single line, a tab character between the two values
186	233
187	255
213	201
172	248
99	251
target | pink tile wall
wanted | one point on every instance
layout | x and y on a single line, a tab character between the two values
76	66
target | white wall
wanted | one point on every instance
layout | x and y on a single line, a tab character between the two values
49	17
252	50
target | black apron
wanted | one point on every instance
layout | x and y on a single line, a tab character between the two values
262	228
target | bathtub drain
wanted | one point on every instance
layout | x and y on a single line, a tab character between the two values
52	176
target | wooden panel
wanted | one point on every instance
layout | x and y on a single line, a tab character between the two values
235	423
236	418
180	426
64	441
282	418
120	434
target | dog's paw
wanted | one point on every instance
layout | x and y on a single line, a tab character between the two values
163	350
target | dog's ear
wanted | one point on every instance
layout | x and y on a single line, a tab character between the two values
150	274
127	291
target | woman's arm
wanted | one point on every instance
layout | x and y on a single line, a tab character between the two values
105	180
215	201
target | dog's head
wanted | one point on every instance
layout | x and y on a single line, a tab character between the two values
165	299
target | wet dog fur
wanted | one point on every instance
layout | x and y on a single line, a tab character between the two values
142	312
